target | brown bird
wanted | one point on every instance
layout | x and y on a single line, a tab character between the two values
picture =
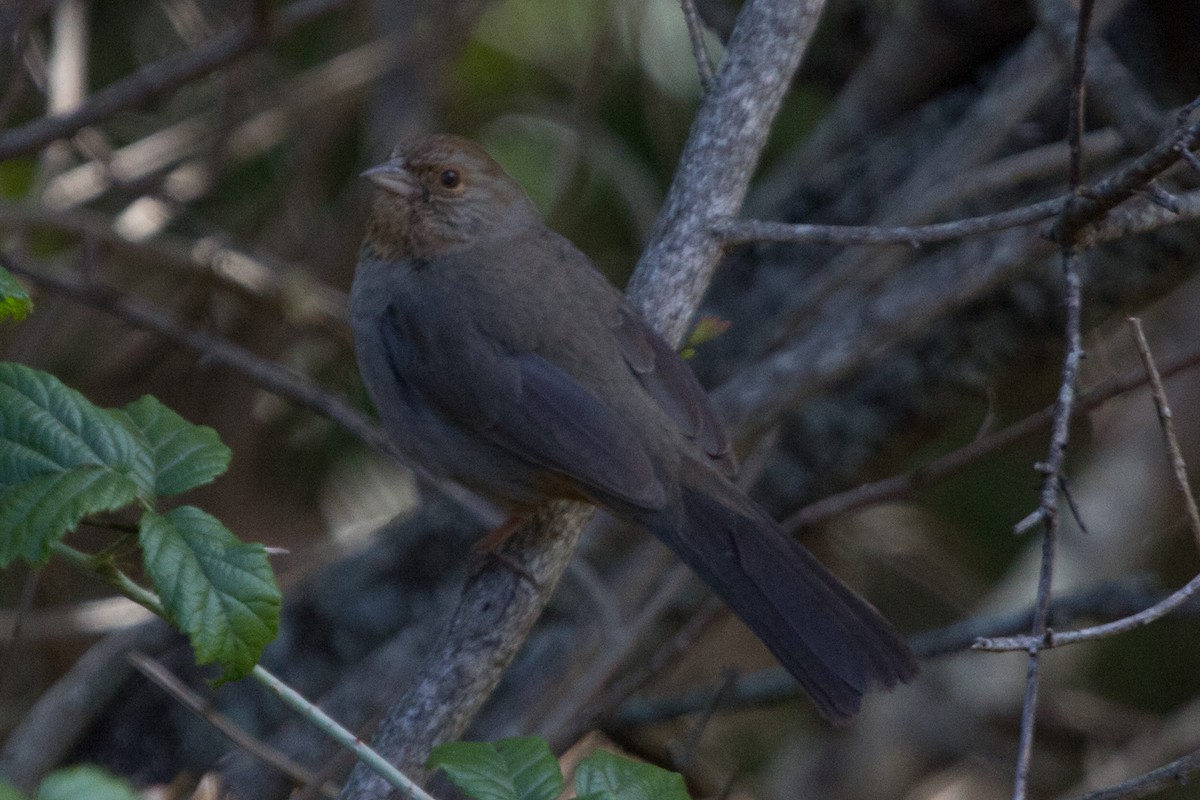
497	355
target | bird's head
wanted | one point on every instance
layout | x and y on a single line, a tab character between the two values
442	193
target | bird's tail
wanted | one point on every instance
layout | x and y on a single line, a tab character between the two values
835	644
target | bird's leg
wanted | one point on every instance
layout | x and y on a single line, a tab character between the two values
490	544
489	547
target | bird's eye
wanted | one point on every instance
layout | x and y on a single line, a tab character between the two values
450	179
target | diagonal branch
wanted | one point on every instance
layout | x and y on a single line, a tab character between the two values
500	604
162	76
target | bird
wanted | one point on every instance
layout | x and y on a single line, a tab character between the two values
498	356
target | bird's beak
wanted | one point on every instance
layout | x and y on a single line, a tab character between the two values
391	176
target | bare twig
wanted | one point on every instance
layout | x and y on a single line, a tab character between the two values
1093	203
1052	469
1078	87
1051	639
741	231
13	636
1175	599
695	26
1179	772
581	707
1114	92
249	277
1178	467
716	700
162	677
159	77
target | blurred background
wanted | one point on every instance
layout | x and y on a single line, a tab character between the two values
225	200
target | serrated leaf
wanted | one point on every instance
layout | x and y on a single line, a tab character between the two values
75	783
15	302
61	458
612	776
218	590
184	455
36	513
48	427
521	768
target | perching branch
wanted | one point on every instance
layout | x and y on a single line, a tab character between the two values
710	183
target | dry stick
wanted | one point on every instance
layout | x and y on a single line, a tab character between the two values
776	382
1116	94
695	27
1053	639
162	677
741	231
1047	513
1178	467
904	485
161	76
1088	206
251	278
1060	431
1179	772
1176	598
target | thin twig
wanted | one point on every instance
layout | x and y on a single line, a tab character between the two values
1051	639
1178	466
165	680
695	27
1078	90
122	583
295	701
741	231
1114	93
905	484
1175	599
1052	469
580	707
159	77
1179	772
1091	204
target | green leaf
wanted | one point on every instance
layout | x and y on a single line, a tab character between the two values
183	455
47	427
61	458
218	590
74	783
521	768
14	300
607	775
40	511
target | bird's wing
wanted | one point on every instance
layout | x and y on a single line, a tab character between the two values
528	406
672	385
